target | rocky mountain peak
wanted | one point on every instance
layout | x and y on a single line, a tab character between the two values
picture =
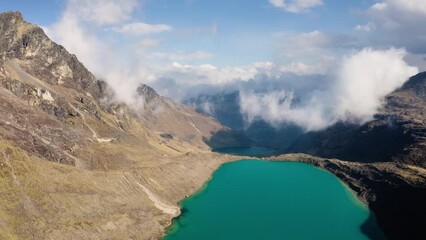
148	93
12	17
25	47
416	83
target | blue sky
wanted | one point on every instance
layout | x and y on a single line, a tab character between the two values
244	29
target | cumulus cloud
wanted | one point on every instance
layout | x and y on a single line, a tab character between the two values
354	95
365	78
182	81
295	6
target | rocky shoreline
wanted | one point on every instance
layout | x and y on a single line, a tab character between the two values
396	193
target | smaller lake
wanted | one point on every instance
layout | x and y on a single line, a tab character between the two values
248	151
257	200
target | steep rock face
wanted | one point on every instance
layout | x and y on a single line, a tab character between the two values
74	164
408	106
26	45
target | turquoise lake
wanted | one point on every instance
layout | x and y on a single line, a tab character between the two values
256	200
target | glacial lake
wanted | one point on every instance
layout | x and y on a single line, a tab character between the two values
257	200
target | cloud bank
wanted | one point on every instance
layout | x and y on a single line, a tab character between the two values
356	93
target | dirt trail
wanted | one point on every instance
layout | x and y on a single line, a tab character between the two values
166	208
95	135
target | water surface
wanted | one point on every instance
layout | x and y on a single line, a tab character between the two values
255	200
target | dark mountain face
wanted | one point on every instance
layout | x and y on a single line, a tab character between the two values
225	107
398	132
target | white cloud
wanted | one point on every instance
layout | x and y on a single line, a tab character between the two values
209	74
182	81
413	6
78	30
379	6
369	27
355	95
399	23
365	78
102	12
139	28
410	6
295	6
70	33
276	107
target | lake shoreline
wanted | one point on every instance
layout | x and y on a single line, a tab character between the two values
351	195
311	160
364	179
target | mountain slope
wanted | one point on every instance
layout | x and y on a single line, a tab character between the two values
112	172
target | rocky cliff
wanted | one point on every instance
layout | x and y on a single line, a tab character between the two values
77	164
